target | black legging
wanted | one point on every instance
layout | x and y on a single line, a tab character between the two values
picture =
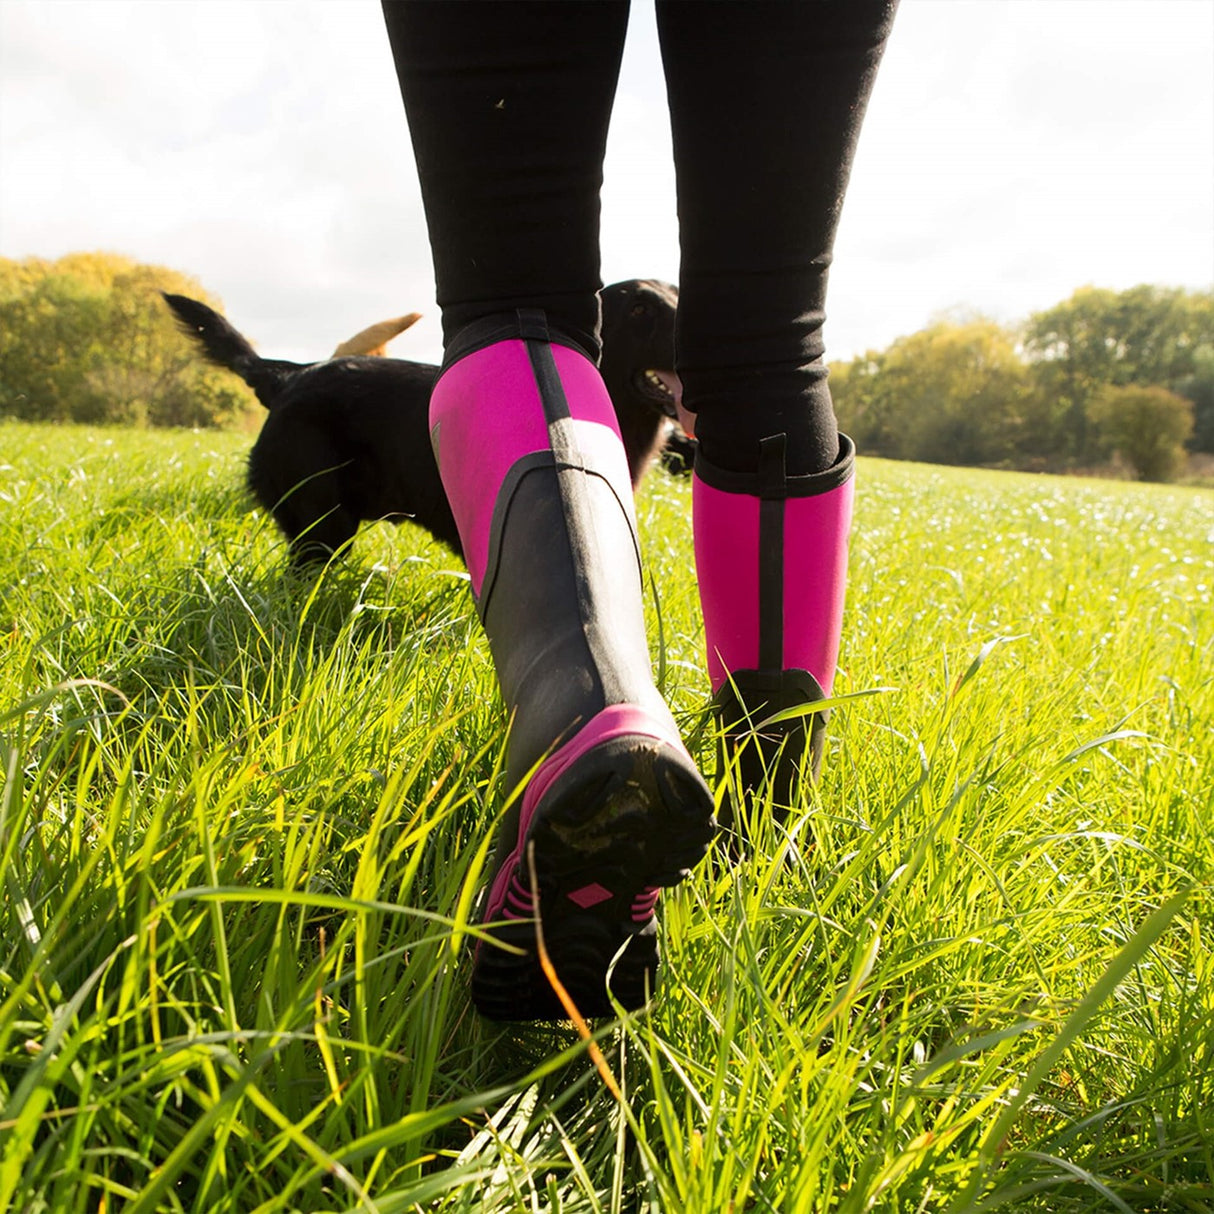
508	104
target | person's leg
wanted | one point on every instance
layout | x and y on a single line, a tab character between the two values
508	107
508	104
766	102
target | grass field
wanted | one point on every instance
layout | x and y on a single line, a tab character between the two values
242	825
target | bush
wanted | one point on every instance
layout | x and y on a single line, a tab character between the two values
88	339
1199	388
954	393
1147	427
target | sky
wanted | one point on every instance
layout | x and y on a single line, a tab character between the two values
1013	151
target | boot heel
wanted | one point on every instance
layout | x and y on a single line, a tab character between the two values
613	819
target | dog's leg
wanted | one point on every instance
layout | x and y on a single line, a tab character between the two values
295	477
320	541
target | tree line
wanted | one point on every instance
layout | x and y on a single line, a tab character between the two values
1104	374
87	338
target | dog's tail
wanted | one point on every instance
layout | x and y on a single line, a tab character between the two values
225	347
373	340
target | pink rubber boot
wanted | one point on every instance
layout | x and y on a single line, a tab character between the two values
771	557
531	459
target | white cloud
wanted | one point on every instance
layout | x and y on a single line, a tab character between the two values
261	147
1014	149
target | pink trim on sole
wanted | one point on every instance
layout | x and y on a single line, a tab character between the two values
590	895
615	721
644	904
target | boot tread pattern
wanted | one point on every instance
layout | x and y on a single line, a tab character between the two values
630	818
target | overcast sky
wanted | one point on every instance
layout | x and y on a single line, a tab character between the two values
1014	150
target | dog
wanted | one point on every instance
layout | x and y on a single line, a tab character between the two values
347	440
640	313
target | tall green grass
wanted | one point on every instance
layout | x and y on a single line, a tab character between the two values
243	822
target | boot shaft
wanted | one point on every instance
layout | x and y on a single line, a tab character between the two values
613	808
530	455
512	396
771	558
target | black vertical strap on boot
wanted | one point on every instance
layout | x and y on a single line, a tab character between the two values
533	329
773	491
576	486
580	532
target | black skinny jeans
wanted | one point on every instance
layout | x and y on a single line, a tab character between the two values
508	104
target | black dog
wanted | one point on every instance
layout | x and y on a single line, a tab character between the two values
347	439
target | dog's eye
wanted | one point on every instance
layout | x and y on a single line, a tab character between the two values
639	309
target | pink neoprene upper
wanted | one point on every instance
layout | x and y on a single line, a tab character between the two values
486	414
815	576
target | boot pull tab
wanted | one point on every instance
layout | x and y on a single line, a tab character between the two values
773	475
533	325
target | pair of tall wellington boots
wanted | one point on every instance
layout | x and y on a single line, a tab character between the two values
612	808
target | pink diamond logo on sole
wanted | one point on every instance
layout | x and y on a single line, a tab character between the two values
590	895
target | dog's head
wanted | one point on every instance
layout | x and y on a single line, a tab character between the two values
638	345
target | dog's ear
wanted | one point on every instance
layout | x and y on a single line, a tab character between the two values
374	339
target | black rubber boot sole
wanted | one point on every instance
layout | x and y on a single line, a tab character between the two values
630	815
769	762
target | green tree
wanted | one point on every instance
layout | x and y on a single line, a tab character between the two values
954	393
861	404
87	338
47	332
1147	427
1098	338
1199	388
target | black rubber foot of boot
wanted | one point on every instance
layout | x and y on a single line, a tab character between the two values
630	816
769	760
